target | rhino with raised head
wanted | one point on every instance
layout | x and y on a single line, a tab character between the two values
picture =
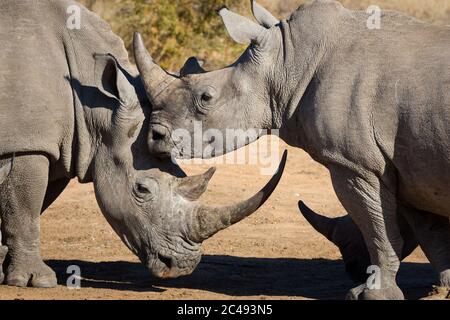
72	106
372	105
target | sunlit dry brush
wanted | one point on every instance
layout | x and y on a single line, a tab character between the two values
436	11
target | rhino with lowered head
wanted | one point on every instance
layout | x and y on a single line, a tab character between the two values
372	105
71	106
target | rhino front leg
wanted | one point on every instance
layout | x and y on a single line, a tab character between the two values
373	206
21	208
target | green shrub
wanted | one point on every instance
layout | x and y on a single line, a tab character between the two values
174	30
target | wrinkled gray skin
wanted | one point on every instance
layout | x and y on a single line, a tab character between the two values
370	105
71	106
4	173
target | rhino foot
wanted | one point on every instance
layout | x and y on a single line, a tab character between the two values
37	275
438	293
363	293
354	293
3	252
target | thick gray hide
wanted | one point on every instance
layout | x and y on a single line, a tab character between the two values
72	106
372	105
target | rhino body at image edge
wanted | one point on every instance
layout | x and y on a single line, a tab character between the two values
365	103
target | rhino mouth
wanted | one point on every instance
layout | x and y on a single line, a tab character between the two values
163	144
163	266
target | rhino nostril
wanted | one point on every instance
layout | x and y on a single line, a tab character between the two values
166	261
158	136
158	133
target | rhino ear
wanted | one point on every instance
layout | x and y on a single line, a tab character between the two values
111	80
193	65
263	16
241	29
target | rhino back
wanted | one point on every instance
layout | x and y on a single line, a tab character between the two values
409	106
36	100
48	96
383	94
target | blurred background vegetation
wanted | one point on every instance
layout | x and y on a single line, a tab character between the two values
177	29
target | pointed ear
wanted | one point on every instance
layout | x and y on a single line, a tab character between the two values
193	187
241	29
192	66
263	16
111	80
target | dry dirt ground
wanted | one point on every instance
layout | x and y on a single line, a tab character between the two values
274	254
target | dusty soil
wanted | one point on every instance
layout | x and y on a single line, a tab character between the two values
274	254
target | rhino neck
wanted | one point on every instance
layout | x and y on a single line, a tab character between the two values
308	37
92	110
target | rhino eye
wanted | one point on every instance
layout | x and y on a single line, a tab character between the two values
141	188
206	97
146	188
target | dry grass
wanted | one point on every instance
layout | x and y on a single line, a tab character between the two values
436	11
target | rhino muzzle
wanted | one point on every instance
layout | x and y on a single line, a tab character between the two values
160	141
204	222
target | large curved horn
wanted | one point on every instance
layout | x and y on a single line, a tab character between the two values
207	220
326	226
153	76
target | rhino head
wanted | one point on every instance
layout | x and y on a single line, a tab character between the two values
237	97
149	203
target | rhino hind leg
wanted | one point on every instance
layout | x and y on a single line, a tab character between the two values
344	233
21	223
3	252
433	234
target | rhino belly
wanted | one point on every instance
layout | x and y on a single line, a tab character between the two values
425	185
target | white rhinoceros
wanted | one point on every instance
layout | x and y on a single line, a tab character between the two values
72	106
370	104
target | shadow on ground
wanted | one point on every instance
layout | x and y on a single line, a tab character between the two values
242	277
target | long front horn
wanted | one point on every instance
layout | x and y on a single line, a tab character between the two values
208	220
326	226
153	76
